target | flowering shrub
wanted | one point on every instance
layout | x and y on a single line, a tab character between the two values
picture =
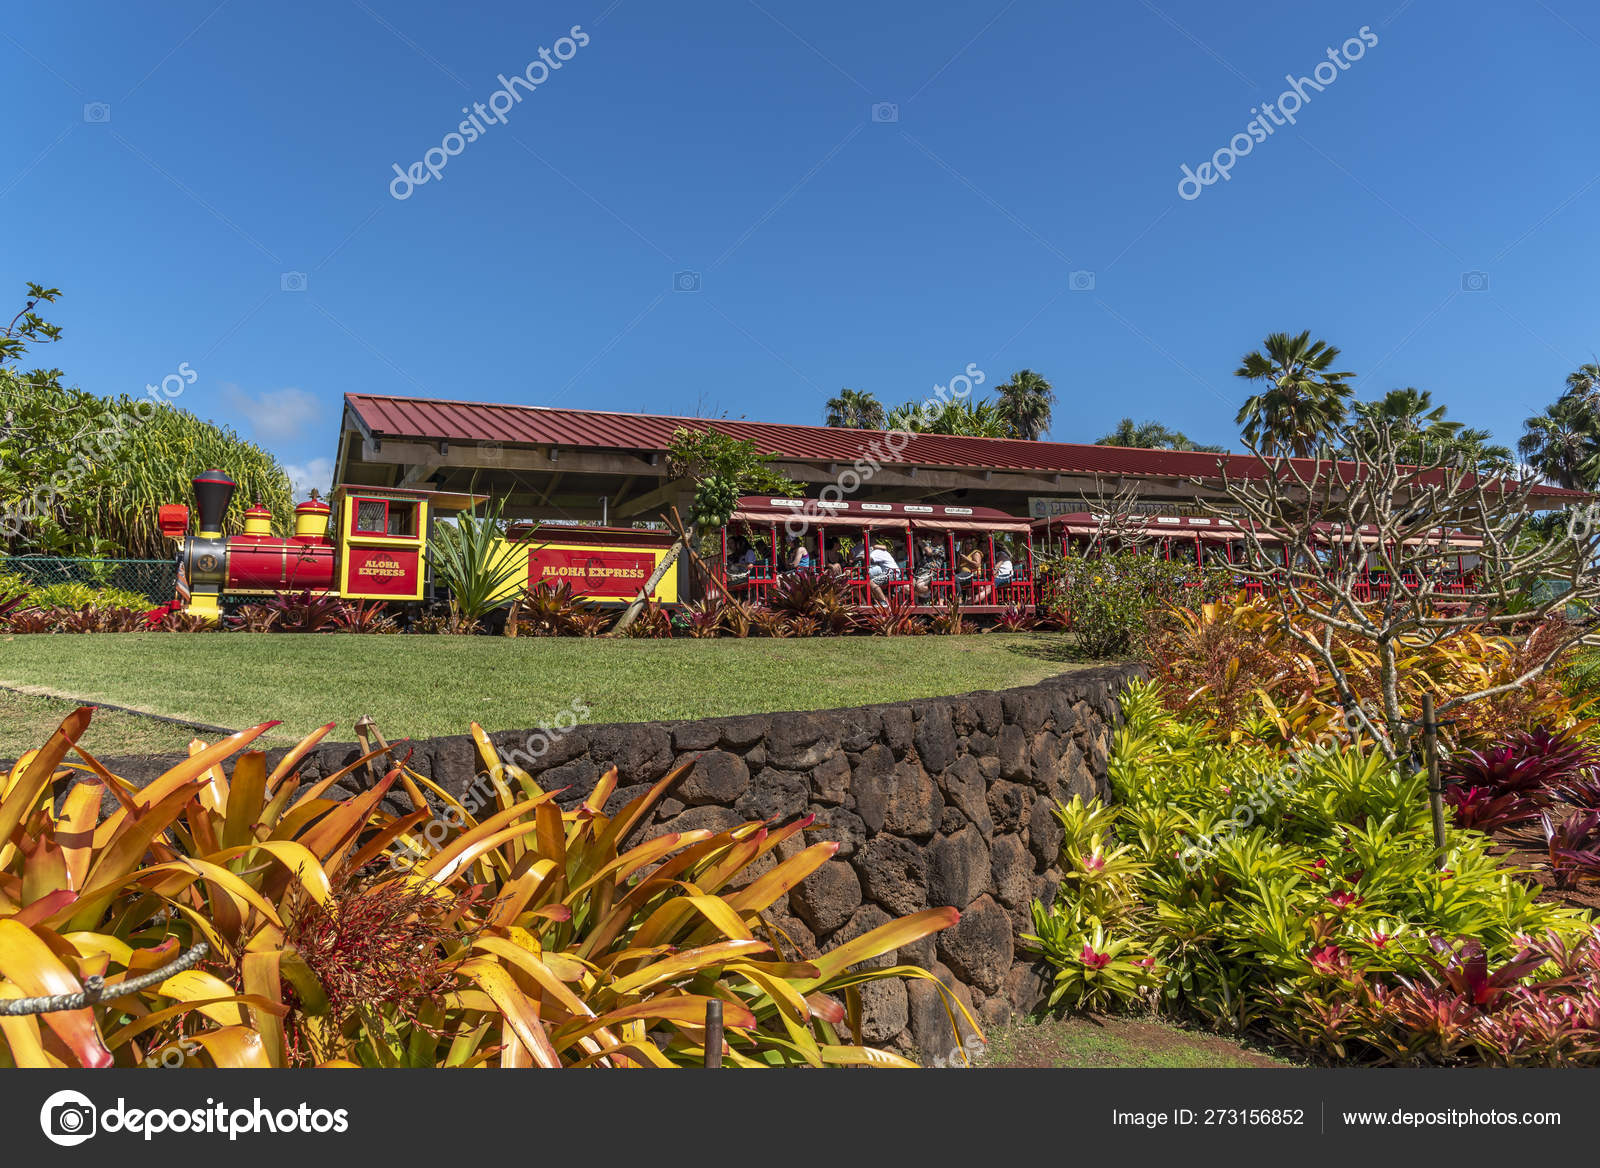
1234	660
1297	895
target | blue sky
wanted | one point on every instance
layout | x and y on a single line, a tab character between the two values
864	195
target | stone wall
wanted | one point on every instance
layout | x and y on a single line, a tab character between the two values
942	801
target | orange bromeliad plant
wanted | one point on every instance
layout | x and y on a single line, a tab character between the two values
336	933
1233	662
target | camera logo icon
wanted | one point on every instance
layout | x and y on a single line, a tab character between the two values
686	282
1081	281
68	1118
491	452
1474	281
885	111
292	282
97	112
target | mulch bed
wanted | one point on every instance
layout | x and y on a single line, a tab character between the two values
1523	847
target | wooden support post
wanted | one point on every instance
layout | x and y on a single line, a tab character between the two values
1430	753
633	610
714	1032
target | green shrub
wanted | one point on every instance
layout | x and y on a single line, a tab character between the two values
70	594
1248	887
1112	602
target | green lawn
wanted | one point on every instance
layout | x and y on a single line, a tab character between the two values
26	721
421	686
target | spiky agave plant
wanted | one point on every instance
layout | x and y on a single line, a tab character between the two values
472	558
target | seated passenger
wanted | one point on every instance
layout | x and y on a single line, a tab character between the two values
881	566
969	561
969	569
930	564
1004	569
799	556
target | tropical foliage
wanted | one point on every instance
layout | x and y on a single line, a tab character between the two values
855	409
471	557
1233	663
1112	601
84	475
964	416
1303	398
505	929
1422	434
722	469
1021	408
1298	895
1152	436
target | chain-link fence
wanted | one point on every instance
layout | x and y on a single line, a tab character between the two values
156	580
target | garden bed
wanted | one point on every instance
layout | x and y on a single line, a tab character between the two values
1524	850
1105	1041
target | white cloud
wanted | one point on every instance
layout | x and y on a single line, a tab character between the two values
317	473
276	415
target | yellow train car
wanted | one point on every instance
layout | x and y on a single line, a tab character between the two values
602	565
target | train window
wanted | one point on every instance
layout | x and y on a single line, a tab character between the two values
370	516
403	519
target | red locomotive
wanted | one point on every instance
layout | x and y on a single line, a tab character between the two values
371	543
368	543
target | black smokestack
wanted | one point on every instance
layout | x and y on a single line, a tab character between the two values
213	491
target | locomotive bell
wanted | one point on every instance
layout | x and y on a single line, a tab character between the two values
213	491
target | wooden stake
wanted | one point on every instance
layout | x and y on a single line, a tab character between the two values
1430	754
714	1032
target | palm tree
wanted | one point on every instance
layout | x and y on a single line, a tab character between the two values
974	419
1153	436
1025	403
1142	435
964	417
1563	444
1303	401
1422	435
1417	424
855	409
1485	455
906	417
1584	382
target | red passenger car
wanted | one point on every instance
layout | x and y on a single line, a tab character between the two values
927	554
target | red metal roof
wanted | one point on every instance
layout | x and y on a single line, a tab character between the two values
432	419
426	418
1087	523
779	507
